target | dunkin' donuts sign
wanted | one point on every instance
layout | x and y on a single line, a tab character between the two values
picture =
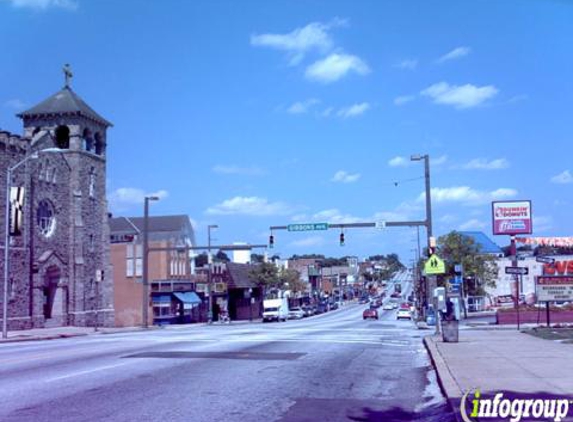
511	217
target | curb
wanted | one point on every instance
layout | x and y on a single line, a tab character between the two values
39	338
446	381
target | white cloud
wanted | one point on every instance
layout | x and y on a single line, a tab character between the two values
344	177
456	53
233	169
483	164
564	177
252	205
45	4
354	110
464	96
466	195
297	43
473	224
327	112
336	66
399	162
301	107
408	64
448	219
124	198
403	99
334	216
15	103
307	242
438	161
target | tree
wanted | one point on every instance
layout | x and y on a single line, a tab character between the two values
265	275
222	257
257	258
290	279
456	248
201	260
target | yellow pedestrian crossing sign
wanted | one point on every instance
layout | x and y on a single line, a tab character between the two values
435	265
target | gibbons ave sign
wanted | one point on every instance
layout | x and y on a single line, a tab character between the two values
511	217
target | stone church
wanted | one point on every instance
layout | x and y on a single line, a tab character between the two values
59	264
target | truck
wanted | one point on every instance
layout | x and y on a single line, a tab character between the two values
275	309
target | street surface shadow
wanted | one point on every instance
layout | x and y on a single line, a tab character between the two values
338	410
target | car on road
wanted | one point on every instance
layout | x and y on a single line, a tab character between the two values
370	313
308	310
388	307
403	314
296	313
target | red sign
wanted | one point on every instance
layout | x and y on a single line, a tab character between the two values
511	217
558	268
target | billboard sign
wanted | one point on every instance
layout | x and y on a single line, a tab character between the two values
511	217
554	288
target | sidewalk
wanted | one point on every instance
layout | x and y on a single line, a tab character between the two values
501	361
64	332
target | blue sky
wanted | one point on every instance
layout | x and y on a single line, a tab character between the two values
258	113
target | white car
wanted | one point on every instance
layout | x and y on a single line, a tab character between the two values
296	313
403	314
387	307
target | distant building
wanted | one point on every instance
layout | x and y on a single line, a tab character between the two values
171	273
59	249
241	257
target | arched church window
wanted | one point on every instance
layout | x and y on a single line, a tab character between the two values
45	218
63	137
87	141
99	144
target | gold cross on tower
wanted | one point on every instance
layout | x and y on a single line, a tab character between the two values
67	74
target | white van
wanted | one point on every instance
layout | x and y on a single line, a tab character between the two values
275	310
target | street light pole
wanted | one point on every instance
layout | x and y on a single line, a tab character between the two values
145	262
209	259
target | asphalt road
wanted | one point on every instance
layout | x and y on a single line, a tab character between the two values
331	367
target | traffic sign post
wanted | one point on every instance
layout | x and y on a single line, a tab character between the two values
435	266
517	270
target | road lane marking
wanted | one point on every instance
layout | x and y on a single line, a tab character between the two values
75	374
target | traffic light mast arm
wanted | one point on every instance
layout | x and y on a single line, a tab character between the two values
365	225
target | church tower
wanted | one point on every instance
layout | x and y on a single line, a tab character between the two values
67	232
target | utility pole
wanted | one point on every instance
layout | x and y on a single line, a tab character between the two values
145	262
209	268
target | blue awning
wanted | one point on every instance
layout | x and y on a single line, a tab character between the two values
189	299
161	299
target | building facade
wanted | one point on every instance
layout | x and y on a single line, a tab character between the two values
59	271
171	276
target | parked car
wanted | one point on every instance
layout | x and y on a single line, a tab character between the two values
308	310
403	314
370	313
321	308
333	306
295	313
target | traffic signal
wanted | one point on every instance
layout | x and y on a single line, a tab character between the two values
341	239
271	241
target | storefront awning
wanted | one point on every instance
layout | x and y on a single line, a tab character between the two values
189	299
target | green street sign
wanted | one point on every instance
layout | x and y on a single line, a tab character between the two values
307	227
434	266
